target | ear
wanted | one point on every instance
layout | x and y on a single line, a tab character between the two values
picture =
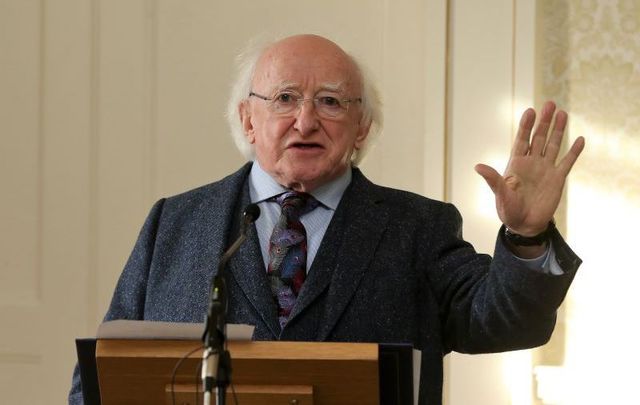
363	133
244	108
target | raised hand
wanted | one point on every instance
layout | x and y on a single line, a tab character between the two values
528	194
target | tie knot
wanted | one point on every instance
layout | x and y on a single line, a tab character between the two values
296	203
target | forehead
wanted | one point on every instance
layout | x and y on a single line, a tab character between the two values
306	63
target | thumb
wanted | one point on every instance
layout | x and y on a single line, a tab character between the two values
491	176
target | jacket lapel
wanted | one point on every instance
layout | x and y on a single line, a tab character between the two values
224	207
247	269
347	249
215	223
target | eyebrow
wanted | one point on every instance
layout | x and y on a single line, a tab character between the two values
337	87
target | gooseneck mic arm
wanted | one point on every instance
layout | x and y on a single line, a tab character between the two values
216	367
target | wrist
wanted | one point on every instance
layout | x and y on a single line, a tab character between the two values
540	239
528	252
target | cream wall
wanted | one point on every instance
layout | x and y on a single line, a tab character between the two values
106	106
589	60
490	82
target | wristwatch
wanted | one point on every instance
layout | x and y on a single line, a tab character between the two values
537	240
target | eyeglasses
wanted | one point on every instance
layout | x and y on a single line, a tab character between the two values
288	103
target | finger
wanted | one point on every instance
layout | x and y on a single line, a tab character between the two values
567	162
491	176
539	138
555	139
521	143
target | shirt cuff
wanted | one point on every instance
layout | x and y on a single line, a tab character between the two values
546	263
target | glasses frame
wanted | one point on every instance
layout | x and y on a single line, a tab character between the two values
302	100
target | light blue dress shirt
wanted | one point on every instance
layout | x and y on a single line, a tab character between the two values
262	187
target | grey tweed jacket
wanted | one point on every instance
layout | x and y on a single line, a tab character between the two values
391	268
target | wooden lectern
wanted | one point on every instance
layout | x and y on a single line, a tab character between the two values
296	373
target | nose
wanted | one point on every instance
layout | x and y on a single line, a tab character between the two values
306	119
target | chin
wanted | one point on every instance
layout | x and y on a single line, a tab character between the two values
306	179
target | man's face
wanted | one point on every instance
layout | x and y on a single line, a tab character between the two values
303	150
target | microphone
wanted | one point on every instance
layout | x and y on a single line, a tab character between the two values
251	213
249	216
217	362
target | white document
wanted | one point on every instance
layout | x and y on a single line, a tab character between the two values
417	360
126	329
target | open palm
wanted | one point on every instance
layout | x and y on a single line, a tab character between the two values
528	194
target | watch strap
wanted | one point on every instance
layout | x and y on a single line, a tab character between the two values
536	240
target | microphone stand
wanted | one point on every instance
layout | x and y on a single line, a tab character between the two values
216	367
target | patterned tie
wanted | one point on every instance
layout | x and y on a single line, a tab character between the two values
288	251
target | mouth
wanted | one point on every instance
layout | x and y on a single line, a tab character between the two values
305	146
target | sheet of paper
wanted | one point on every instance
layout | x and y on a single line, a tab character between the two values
417	359
127	329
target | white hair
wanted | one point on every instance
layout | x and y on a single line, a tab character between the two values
246	63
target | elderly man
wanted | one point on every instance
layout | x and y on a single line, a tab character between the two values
334	257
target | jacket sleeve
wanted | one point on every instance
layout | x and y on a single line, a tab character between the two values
129	296
489	305
130	293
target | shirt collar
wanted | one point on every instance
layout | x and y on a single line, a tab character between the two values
262	187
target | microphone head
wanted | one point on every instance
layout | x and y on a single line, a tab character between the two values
251	213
